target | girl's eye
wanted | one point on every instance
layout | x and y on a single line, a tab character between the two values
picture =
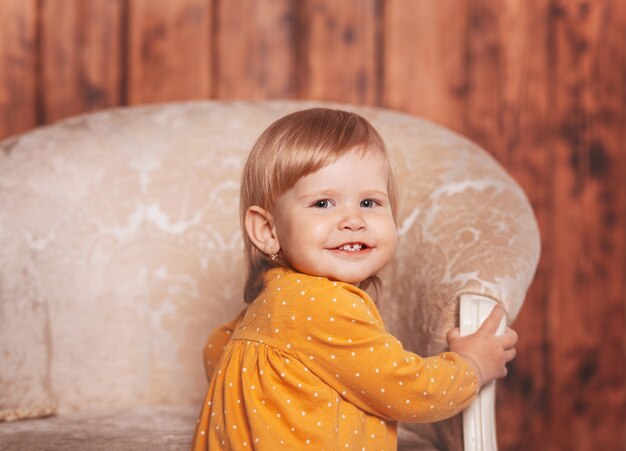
368	203
323	203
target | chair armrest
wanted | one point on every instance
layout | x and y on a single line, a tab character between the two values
479	419
466	227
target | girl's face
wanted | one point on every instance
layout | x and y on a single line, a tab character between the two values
337	222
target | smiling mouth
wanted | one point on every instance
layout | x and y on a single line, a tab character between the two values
353	247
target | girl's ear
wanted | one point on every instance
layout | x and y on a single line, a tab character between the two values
259	224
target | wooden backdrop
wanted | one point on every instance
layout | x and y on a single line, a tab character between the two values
539	83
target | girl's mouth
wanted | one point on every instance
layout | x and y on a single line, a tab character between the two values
352	247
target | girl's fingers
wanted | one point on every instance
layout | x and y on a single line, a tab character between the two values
453	334
508	339
493	320
510	354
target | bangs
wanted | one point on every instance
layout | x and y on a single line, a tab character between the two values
301	144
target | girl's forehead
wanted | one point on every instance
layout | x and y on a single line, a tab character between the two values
353	170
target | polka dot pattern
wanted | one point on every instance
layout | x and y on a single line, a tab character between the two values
309	365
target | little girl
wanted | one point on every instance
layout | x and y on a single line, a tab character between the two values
308	364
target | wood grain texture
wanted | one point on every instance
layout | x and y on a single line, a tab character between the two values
339	51
425	59
80	56
255	49
169	50
18	66
586	309
508	111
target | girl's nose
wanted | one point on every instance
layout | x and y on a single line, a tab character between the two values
352	220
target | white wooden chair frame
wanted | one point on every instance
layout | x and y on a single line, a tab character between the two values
479	419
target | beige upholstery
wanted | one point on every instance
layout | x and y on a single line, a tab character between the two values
120	249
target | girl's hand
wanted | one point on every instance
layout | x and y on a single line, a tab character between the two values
485	351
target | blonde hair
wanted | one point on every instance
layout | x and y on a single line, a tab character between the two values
294	146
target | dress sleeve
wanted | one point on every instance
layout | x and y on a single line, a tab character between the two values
217	341
339	335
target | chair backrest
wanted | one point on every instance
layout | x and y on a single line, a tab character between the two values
120	245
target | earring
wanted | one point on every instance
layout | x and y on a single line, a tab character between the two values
273	257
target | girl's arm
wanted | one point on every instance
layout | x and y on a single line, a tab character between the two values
218	339
340	337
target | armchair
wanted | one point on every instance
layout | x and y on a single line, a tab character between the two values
120	249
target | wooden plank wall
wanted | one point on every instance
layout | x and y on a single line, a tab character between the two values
540	84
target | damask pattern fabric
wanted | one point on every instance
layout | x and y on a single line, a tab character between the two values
123	224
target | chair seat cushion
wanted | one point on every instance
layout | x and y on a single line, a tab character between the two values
157	427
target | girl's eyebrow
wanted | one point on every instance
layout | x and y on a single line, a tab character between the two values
318	194
376	192
334	193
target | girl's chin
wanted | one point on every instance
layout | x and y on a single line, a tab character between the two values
353	279
337	274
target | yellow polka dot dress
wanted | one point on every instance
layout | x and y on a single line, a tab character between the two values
309	365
